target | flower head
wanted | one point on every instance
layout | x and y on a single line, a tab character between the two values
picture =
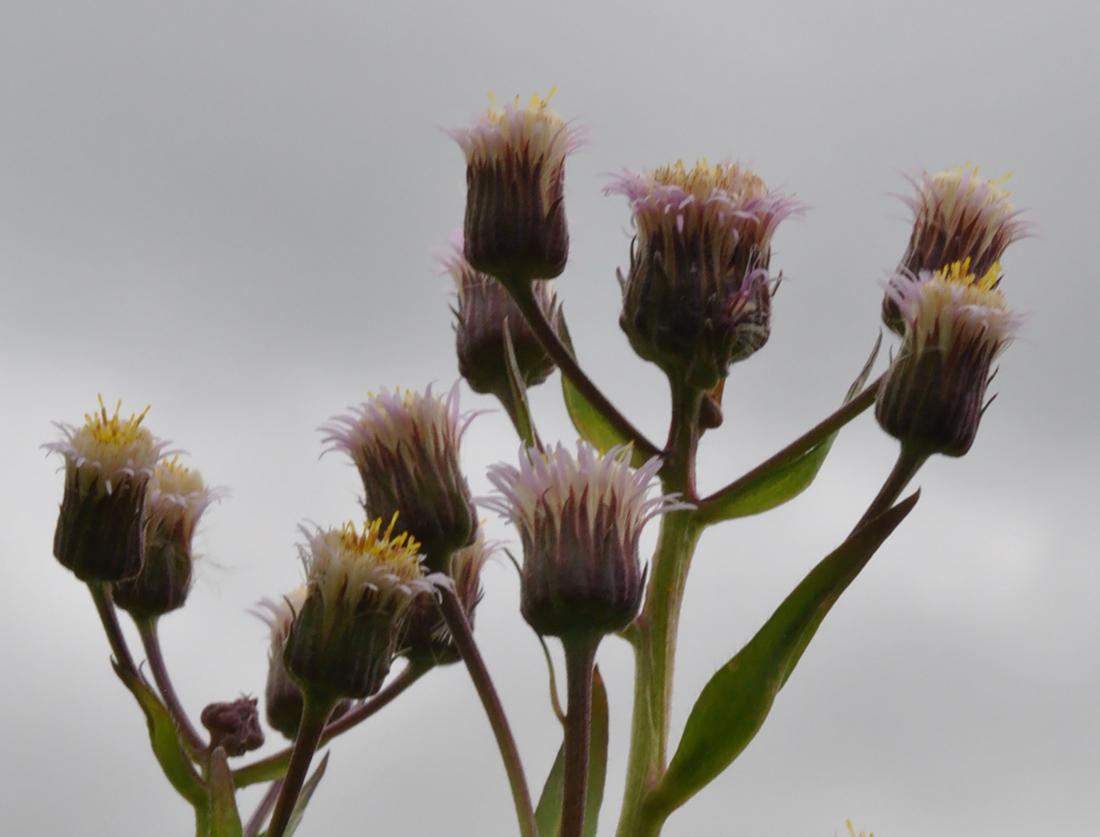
484	310
406	447
428	636
515	165
579	520
282	697
174	502
957	217
108	463
360	586
956	324
698	293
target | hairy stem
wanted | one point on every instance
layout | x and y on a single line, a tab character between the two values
580	654
315	712
191	740
464	640
275	765
524	297
101	594
653	634
908	463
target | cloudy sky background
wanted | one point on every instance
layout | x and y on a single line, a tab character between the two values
228	211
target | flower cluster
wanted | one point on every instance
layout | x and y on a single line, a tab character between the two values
484	312
579	520
176	499
109	461
360	586
945	302
515	218
697	296
957	323
406	447
957	218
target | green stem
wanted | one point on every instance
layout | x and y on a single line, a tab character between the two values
524	296
580	655
256	821
101	594
464	640
654	633
315	711
908	463
189	738
274	766
804	443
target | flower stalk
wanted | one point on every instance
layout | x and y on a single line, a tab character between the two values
463	638
580	656
315	711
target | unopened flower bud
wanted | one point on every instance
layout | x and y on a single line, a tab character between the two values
406	447
697	296
427	636
359	589
957	217
108	463
579	521
282	697
515	165
956	324
175	500
234	726
484	309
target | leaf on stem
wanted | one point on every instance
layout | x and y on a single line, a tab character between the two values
548	814
520	408
734	704
784	479
303	798
166	745
225	821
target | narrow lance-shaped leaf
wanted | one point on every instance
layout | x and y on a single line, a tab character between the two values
734	704
225	821
303	798
518	407
590	422
548	814
784	477
166	746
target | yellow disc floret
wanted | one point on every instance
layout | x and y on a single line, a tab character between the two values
107	448
374	568
959	273
704	180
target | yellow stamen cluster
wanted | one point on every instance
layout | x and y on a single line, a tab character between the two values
948	312
171	477
107	448
852	831
959	273
704	180
948	185
345	566
401	552
112	430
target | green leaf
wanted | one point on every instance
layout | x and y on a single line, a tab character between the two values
166	746
303	798
225	821
733	705
597	755
548	813
516	405
776	482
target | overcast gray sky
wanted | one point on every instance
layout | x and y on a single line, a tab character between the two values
228	210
